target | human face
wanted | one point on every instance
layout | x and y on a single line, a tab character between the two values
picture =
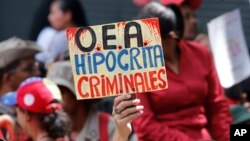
190	21
58	18
69	101
26	68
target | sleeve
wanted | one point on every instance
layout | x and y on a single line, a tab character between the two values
217	108
147	128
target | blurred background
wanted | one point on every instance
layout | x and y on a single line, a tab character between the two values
28	18
21	18
17	15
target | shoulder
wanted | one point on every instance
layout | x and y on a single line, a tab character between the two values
195	49
61	38
194	46
62	33
46	36
47	31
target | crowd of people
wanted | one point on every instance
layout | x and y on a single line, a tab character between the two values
38	96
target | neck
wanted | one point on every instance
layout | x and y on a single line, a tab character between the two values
79	118
171	52
37	133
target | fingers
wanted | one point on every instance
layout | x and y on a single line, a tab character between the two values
126	104
130	118
129	111
121	98
126	109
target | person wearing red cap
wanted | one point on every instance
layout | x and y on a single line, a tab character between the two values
193	108
38	110
188	8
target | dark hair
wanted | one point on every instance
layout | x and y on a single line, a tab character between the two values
56	124
179	26
74	6
170	18
40	19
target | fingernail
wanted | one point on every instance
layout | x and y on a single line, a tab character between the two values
136	101
139	107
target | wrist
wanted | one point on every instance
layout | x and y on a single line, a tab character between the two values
120	137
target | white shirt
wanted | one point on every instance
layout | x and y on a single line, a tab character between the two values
54	45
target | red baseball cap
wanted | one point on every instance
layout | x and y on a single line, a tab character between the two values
194	4
38	95
141	3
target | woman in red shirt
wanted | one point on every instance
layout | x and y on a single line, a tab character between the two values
193	108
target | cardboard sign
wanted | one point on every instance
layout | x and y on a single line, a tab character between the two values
229	48
117	58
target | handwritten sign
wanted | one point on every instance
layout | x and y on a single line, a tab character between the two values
117	58
229	48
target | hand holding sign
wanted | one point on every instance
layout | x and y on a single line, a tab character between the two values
129	109
118	58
